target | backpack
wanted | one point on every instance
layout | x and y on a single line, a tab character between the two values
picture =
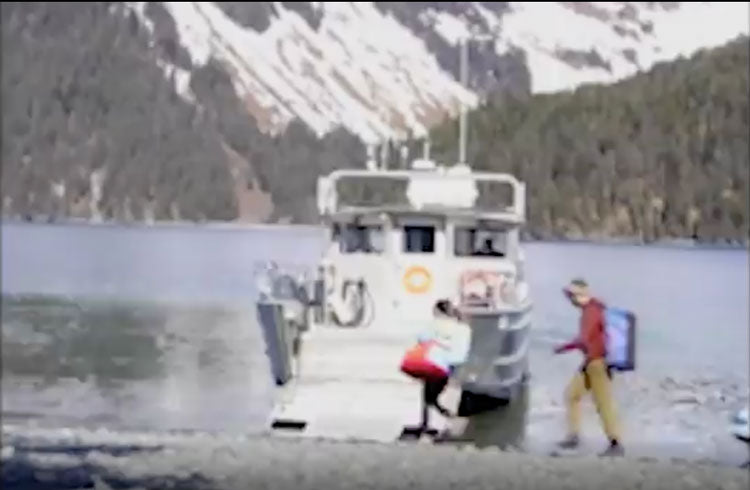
619	327
427	361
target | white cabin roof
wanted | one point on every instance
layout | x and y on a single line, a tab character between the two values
449	193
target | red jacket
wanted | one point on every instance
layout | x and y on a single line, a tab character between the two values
591	338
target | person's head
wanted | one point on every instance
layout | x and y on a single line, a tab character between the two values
578	292
443	307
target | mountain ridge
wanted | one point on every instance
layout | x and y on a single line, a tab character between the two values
97	125
657	156
389	70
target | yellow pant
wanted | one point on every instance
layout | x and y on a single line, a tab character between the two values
600	385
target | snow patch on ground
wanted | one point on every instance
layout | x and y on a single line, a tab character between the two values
181	76
451	28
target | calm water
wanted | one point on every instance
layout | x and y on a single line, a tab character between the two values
154	328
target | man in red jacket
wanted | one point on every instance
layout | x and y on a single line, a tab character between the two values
594	373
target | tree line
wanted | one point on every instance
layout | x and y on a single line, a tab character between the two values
93	128
91	125
661	155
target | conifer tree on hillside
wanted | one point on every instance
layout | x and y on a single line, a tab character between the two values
91	126
661	155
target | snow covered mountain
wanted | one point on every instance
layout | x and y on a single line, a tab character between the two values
231	111
388	70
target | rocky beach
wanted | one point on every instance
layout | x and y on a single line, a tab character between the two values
46	459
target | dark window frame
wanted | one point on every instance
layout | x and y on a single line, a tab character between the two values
341	234
427	239
473	230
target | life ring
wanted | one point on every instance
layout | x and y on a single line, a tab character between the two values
417	280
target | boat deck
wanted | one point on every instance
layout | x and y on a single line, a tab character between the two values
350	386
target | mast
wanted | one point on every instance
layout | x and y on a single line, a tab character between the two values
464	78
464	82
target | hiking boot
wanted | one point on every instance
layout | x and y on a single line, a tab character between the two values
570	442
614	450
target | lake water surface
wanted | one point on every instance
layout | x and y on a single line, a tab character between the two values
154	327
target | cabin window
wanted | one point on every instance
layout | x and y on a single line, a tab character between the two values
358	238
480	242
419	239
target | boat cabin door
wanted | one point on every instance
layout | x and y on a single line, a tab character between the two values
419	270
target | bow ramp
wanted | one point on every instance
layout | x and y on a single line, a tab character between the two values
349	386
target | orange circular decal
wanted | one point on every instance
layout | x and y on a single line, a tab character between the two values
417	280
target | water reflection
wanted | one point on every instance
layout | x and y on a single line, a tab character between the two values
52	339
132	365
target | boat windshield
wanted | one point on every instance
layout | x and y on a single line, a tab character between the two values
419	239
480	242
353	238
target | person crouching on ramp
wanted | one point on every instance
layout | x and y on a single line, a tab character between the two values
433	360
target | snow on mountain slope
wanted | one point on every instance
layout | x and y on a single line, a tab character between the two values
385	70
359	69
571	43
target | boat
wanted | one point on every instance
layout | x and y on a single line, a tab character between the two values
395	242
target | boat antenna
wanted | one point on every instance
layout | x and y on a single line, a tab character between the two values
372	163
464	82
384	148
464	75
404	156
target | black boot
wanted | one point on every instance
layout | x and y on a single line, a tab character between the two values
570	442
614	449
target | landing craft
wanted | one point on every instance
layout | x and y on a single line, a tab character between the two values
398	240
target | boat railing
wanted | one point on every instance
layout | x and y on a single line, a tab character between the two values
283	282
440	191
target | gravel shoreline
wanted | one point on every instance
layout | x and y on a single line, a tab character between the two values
102	459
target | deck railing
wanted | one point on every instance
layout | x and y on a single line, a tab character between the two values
439	191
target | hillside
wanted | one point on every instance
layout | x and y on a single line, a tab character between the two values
93	129
389	70
132	112
662	155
